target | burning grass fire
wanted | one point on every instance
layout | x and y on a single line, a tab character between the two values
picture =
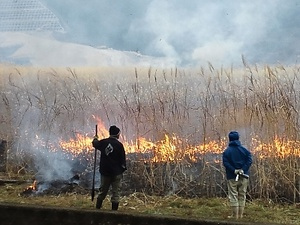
172	148
151	159
54	187
30	189
198	104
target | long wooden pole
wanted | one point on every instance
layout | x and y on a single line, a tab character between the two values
94	172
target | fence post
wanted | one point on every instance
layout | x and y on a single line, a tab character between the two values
3	155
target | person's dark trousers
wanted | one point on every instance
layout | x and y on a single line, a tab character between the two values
114	205
106	182
99	203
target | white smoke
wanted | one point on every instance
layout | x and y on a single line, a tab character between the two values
165	33
190	32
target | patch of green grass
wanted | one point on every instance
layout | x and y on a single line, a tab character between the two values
197	208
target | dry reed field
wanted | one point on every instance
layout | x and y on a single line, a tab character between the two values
174	125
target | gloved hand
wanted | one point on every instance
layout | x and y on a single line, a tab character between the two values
239	171
95	140
96	137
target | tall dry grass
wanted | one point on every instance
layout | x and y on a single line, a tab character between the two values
192	107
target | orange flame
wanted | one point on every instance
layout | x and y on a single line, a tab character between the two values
83	143
32	187
174	148
77	146
279	148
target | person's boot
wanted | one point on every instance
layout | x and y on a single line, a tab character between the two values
114	205
241	211
99	204
235	212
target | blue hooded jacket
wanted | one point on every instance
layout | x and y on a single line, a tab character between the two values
236	156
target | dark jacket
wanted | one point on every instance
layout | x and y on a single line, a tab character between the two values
112	158
235	157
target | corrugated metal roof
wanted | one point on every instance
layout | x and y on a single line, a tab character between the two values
27	15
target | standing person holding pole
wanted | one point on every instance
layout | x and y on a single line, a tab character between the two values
112	166
237	161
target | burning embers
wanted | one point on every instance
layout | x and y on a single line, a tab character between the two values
54	187
30	189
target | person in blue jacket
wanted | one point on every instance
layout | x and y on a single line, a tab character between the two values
237	161
112	166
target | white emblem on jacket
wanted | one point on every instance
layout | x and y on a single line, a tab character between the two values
109	149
